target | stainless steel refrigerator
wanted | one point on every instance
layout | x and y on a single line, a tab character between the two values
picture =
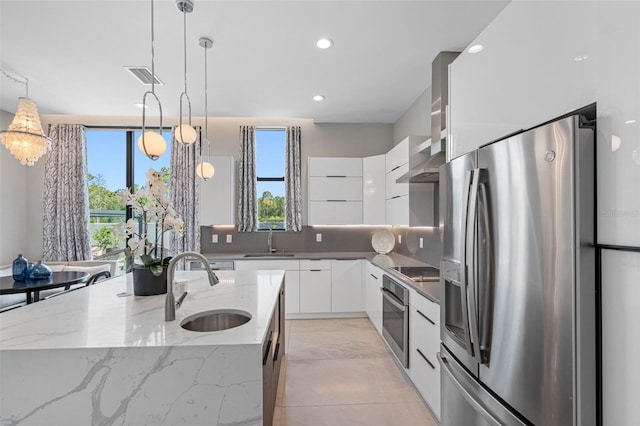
518	280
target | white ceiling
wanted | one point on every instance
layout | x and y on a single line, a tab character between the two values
263	63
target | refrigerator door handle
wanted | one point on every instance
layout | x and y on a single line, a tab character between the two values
485	314
463	262
471	263
465	393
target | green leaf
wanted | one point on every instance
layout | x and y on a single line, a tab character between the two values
166	261
148	260
156	270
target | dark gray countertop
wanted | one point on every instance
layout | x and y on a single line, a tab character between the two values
430	290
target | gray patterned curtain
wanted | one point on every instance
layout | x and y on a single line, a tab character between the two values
184	191
247	207
66	196
292	180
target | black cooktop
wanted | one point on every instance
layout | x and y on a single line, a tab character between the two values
419	273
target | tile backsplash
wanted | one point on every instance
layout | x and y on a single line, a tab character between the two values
334	239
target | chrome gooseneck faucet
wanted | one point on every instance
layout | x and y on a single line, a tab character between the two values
270	242
170	301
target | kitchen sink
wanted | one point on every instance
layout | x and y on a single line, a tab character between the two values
269	255
221	319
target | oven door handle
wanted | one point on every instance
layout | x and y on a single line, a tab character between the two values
391	299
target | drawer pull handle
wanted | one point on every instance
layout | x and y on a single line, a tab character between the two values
425	317
425	358
266	352
397	196
336	201
374	276
315	270
336	176
395	168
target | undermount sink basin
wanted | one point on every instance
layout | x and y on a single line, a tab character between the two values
268	255
220	319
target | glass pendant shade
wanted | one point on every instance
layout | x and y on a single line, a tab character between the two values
153	145
205	170
24	138
186	134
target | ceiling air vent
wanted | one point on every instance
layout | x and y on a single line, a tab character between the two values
143	74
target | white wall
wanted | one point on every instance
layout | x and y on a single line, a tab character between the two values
347	140
416	121
526	75
13	202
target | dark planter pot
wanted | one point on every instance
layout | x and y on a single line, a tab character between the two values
147	284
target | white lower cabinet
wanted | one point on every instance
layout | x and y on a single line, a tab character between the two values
346	285
291	278
373	297
424	344
315	291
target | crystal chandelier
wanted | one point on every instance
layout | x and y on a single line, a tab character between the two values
24	138
205	169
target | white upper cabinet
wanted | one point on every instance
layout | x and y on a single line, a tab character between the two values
335	188
335	191
544	59
338	166
397	156
397	194
373	190
217	201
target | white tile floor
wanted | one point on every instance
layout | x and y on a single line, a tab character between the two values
340	372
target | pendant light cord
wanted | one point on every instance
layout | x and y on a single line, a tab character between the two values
25	82
153	70
184	39
206	105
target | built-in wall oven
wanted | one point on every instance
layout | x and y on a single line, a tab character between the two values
395	318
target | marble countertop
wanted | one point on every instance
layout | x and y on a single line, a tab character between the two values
97	317
430	290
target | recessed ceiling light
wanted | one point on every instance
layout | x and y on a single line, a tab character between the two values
318	98
581	58
142	106
324	43
475	48
629	121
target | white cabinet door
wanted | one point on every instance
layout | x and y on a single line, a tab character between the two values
397	211
335	212
424	369
397	156
394	189
346	286
620	337
373	279
373	190
217	202
291	278
315	291
335	166
292	292
335	188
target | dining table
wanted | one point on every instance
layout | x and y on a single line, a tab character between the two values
32	288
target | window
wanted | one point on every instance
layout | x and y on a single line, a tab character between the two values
114	163
270	171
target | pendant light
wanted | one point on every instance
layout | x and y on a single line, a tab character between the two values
205	169
151	143
24	138
184	132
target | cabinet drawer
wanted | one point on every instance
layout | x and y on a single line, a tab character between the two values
269	265
427	380
335	212
338	166
425	335
426	306
335	188
311	264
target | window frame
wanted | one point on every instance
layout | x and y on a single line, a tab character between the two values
282	129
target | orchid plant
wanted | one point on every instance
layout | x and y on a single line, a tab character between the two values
152	205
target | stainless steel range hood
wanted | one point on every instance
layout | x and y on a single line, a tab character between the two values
424	163
428	171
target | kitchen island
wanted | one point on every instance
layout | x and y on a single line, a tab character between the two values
100	355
